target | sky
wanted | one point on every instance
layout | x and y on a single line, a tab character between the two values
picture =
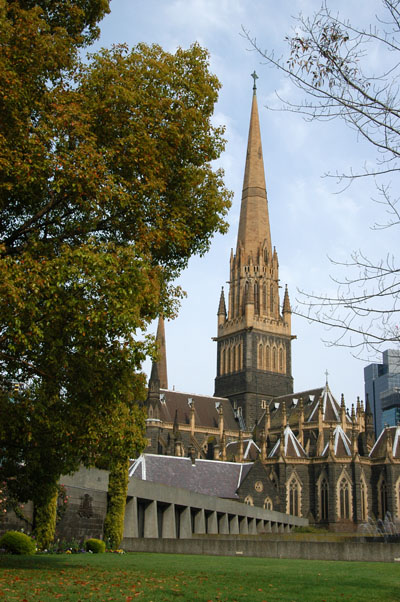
310	220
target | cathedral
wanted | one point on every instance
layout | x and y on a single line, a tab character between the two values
305	453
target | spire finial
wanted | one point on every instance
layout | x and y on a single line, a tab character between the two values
255	77
326	377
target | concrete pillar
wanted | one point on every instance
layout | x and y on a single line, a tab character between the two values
287	528
281	528
243	525
260	526
267	526
223	526
200	522
212	523
150	520
185	525
131	518
252	526
274	528
168	522
234	525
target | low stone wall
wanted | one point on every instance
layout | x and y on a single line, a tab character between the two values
267	548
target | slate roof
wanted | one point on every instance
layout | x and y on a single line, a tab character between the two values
292	446
251	450
205	408
379	449
210	477
341	444
311	397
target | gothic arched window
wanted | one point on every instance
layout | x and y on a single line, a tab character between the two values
294	497
268	358
249	500
363	499
274	359
265	298
281	360
344	498
323	499
382	497
268	505
260	357
271	299
256	299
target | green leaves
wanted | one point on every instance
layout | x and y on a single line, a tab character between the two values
106	190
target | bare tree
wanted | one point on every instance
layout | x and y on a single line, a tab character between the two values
328	61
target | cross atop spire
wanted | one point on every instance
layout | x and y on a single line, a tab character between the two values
255	77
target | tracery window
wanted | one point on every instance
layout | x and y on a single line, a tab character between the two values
249	500
274	359
363	499
268	505
260	357
344	499
323	499
280	360
382	497
265	298
268	358
256	299
293	497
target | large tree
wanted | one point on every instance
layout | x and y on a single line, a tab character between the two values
106	190
327	60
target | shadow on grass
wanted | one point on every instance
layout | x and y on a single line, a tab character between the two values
52	562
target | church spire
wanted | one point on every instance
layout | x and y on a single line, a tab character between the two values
254	226
159	368
254	338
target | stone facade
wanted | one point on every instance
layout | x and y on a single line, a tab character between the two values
310	457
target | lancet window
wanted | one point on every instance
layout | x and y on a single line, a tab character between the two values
344	493
293	493
382	497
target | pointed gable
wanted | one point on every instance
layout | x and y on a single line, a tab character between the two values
330	407
291	446
341	444
380	448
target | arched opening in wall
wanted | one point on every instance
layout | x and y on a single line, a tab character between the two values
293	493
222	362
249	500
228	360
273	478
240	356
267	358
323	497
363	498
344	492
274	359
281	360
268	505
260	357
264	297
382	497
233	358
256	299
211	442
397	497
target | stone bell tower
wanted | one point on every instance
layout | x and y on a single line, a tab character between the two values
254	361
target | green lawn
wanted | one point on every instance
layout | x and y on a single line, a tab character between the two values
157	577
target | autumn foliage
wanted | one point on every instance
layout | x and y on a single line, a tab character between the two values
106	190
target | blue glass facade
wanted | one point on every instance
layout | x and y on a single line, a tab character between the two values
382	386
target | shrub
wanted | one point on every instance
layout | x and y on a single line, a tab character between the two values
17	543
96	546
